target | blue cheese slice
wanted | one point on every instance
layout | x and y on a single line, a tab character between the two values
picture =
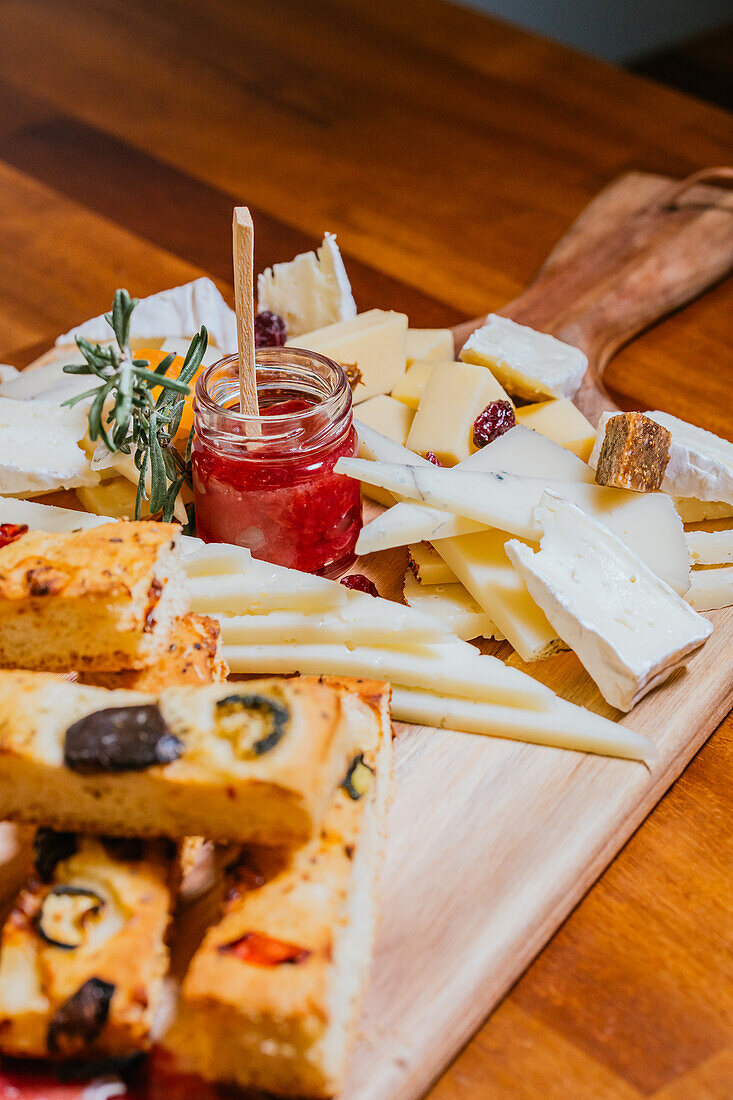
39	448
527	363
628	628
309	292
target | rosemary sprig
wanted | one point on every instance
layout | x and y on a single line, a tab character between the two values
126	415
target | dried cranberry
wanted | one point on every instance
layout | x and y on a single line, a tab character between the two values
11	532
361	583
497	418
270	330
432	457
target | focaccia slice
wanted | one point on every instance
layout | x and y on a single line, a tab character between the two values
83	953
99	599
253	762
271	996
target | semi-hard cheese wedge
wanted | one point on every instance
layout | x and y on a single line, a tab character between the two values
648	523
255	762
39	448
562	422
565	726
429	344
310	291
83	952
710	547
411	386
373	342
628	628
691	510
388	416
452	605
454	395
271	996
428	566
530	364
710	588
350	625
700	463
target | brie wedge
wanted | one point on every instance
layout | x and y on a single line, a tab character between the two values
39	448
711	588
527	363
710	547
628	628
309	291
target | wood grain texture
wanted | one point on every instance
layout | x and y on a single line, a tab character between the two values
450	154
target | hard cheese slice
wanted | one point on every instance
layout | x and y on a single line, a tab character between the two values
39	448
374	342
411	386
434	344
453	605
387	416
454	395
427	565
561	421
529	364
310	291
629	629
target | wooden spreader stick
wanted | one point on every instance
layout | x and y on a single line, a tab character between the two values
243	235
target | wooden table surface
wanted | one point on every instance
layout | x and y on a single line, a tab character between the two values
448	152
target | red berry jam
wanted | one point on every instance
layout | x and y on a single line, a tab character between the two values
497	418
267	482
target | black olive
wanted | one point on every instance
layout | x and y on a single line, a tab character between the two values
128	849
49	848
278	714
43	919
120	739
358	778
79	1020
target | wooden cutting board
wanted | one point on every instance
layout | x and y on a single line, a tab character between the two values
491	843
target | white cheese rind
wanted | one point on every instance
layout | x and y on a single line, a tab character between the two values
528	363
452	605
628	628
565	726
309	291
39	448
710	589
179	311
710	547
48	382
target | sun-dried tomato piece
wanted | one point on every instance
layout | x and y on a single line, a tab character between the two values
360	583
497	418
262	950
11	532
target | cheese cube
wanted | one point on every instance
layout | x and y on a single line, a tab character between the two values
387	416
411	386
562	422
528	364
454	396
310	291
373	341
39	448
429	343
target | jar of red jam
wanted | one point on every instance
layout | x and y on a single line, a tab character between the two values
267	482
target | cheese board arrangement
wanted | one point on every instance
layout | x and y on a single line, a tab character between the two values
236	546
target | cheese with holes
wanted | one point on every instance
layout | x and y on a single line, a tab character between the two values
434	344
710	588
529	364
565	726
628	628
39	448
427	566
310	291
647	523
387	416
411	386
700	463
374	342
562	422
710	547
454	396
450	604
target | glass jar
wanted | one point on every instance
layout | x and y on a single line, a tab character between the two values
267	482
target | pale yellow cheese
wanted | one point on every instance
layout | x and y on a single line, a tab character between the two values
411	386
388	416
428	566
454	396
375	341
429	343
115	497
561	422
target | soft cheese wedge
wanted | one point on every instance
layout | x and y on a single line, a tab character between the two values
710	588
710	547
629	629
373	342
310	291
528	363
648	523
39	448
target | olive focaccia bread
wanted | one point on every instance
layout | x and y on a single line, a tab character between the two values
191	655
271	996
83	953
253	762
101	599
